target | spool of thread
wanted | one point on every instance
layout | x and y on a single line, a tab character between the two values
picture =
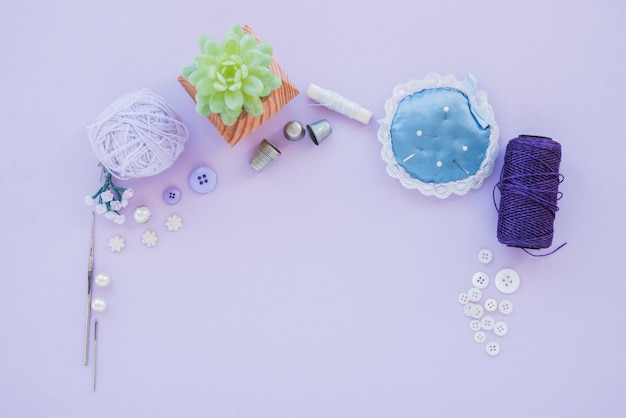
138	135
528	186
338	103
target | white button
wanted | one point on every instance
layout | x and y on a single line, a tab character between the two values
507	281
480	337
485	256
492	348
505	307
477	311
487	323
480	280
491	305
474	294
475	325
467	309
500	329
463	298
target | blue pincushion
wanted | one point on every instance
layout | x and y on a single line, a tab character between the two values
439	135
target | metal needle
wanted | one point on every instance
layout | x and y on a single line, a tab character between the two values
95	351
461	167
89	285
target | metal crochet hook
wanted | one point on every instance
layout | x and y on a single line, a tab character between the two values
89	286
95	351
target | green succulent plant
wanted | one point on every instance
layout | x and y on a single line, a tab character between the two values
232	76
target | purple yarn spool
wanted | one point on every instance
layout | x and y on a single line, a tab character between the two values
529	193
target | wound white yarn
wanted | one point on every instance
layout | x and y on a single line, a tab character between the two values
339	104
138	135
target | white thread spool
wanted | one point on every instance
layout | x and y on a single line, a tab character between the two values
338	103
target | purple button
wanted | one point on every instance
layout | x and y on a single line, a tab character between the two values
202	179
171	195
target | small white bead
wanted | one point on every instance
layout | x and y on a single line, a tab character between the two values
419	133
141	214
464	147
446	109
102	280
439	163
99	305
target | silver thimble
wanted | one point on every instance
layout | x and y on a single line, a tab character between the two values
319	131
265	154
294	131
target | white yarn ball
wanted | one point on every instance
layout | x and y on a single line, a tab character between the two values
138	135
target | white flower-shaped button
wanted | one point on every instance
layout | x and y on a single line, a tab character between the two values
480	280
507	281
174	223
149	238
480	337
116	244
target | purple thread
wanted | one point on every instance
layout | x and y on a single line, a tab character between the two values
528	185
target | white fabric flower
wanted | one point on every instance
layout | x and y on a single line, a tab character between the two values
89	201
101	209
119	219
128	193
116	205
149	238
109	215
174	223
116	244
124	203
106	196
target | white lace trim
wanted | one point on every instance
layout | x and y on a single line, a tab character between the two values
395	170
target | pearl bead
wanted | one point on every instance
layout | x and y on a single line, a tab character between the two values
439	163
141	214
99	305
446	109
102	280
419	133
